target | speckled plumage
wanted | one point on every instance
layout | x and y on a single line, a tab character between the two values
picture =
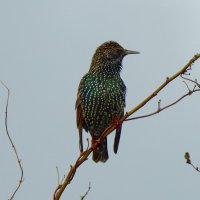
101	96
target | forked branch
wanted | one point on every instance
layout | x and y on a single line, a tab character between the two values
84	155
188	161
12	143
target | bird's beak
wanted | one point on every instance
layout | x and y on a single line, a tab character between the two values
131	52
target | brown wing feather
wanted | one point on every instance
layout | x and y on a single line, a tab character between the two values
79	121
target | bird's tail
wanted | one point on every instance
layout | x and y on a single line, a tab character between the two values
101	153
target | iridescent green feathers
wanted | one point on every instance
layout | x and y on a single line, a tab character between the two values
101	96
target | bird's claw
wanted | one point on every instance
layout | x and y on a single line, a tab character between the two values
116	122
95	143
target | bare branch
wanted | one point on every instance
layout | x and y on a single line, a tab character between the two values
84	155
168	80
165	107
195	82
187	86
188	161
12	143
82	197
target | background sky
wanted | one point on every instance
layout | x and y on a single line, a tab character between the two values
45	49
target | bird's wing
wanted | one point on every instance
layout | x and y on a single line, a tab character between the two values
117	137
79	121
79	113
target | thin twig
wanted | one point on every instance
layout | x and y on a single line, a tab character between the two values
82	197
196	168
84	155
165	107
12	143
195	82
188	161
187	86
168	80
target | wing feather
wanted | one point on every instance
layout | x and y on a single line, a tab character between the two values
79	121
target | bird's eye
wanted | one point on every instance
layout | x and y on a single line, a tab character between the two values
116	54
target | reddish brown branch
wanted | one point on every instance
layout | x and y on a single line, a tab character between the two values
60	189
12	143
195	82
84	155
165	107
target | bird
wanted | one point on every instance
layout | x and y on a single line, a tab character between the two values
101	97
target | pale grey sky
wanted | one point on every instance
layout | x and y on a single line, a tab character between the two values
45	49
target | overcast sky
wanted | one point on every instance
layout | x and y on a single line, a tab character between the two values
46	47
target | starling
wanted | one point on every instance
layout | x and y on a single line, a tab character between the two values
101	96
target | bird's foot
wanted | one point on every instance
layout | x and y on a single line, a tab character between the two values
116	122
95	142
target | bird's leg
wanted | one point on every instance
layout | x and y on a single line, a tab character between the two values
94	141
115	121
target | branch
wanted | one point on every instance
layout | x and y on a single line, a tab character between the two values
168	80
84	155
195	82
13	146
83	197
60	188
165	107
188	161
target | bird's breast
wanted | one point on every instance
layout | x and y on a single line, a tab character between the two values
102	100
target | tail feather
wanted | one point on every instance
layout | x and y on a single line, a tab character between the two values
101	153
117	139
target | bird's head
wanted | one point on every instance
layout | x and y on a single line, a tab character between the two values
108	57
